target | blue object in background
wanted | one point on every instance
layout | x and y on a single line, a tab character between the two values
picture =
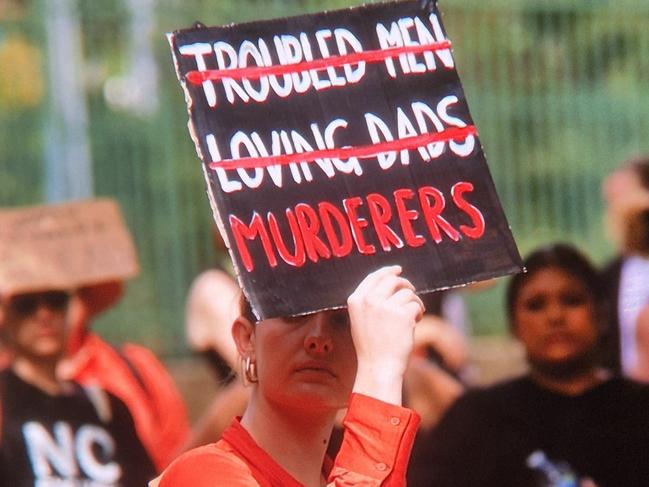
555	474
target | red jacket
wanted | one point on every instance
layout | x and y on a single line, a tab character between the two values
375	451
135	376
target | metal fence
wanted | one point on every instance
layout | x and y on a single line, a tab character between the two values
89	104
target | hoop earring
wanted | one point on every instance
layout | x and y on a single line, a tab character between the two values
249	371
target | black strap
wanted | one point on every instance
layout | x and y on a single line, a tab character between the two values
132	369
139	379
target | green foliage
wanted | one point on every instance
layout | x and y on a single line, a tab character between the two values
558	90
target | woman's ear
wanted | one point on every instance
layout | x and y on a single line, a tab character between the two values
243	333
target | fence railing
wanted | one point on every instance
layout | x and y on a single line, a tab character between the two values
559	91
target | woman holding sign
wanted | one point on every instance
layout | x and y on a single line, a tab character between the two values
303	370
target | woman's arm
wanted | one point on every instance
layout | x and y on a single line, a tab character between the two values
383	311
379	433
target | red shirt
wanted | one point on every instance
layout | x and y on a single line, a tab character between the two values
375	450
154	402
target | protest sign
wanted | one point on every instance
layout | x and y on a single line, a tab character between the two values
64	246
335	143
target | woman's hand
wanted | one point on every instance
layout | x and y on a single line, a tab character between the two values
383	311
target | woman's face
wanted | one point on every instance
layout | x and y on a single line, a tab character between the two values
554	318
308	361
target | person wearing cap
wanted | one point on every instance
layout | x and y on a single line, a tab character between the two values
53	431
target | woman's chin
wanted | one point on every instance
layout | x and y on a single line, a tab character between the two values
314	397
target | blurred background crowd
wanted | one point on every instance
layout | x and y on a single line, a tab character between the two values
90	106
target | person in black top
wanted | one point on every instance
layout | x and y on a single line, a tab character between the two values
567	422
56	433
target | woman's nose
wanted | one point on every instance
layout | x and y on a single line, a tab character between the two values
318	339
555	314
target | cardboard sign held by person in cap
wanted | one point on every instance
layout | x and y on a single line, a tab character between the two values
64	246
336	143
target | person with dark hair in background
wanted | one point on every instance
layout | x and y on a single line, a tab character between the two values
85	246
54	432
626	277
568	422
302	370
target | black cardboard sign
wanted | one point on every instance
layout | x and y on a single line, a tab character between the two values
336	143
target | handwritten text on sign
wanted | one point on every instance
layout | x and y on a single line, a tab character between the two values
338	142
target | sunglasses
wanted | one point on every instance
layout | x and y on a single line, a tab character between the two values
27	304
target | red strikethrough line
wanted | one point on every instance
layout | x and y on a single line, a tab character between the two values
254	72
362	152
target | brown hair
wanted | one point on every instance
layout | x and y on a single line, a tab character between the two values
245	309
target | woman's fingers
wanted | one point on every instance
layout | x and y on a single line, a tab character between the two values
385	285
371	280
381	285
407	298
383	311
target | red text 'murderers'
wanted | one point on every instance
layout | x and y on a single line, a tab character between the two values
325	230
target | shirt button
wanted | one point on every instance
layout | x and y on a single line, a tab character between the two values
395	421
381	467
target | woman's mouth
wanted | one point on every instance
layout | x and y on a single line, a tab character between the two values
315	367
